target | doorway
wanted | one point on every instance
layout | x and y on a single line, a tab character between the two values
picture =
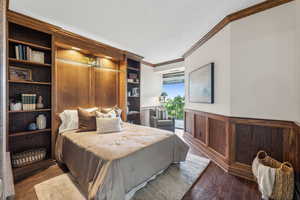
173	89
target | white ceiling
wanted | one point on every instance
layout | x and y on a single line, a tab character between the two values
159	30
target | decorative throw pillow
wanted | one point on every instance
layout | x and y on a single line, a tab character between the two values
69	119
118	111
87	120
91	109
106	110
108	125
110	114
161	114
166	116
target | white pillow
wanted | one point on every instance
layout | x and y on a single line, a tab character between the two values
91	109
69	119
108	125
110	114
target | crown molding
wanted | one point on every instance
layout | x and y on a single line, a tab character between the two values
169	62
235	16
147	63
133	55
162	63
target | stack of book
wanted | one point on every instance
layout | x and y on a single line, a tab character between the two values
26	53
29	101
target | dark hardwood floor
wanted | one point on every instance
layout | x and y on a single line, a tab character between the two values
213	184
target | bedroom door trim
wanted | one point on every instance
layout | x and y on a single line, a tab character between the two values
3	8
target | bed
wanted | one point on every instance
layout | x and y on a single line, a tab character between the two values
110	166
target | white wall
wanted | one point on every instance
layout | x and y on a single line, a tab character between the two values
216	50
256	66
151	86
263	65
170	67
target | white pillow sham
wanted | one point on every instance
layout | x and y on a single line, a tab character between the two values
110	114
108	125
69	119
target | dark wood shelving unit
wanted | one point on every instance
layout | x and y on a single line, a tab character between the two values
22	172
136	113
29	44
133	68
29	132
19	138
27	62
37	110
31	82
137	83
133	102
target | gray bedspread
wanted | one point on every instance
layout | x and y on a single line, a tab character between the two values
107	166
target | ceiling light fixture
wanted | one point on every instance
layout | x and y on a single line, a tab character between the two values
75	48
108	57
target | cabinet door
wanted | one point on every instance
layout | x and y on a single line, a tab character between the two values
106	84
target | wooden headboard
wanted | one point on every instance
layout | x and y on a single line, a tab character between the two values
81	85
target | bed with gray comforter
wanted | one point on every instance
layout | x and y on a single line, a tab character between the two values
108	166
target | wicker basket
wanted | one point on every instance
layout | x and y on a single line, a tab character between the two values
28	157
283	188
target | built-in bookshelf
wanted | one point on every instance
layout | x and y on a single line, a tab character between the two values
29	72
133	91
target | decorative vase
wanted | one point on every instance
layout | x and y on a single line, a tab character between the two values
32	126
41	121
40	104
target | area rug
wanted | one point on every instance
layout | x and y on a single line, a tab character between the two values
171	184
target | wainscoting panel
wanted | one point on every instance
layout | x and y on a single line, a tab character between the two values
232	143
217	136
189	123
251	138
200	128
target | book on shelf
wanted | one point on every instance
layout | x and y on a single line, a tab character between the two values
29	101
37	56
26	53
17	52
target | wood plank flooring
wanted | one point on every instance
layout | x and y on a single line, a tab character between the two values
214	184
